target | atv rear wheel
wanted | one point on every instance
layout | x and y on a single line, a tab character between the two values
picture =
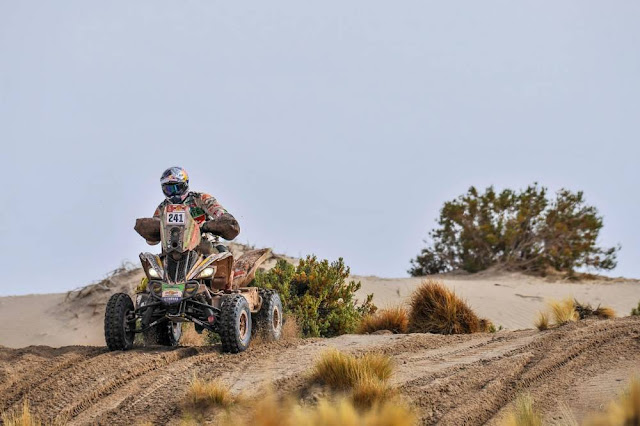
164	334
268	320
117	332
234	325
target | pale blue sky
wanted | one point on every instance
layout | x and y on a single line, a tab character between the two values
337	128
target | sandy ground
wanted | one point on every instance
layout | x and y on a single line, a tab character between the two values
450	380
52	353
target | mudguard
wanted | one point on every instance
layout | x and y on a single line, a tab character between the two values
244	269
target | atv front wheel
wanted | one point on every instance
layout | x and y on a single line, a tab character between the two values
164	334
235	323
117	332
268	320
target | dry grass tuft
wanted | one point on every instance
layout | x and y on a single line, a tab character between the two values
523	414
342	412
605	312
486	326
565	417
570	310
392	319
586	310
542	322
624	411
190	337
21	418
272	411
563	311
370	391
203	395
436	309
342	371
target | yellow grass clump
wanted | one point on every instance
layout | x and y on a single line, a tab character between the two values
570	310
585	310
20	418
272	411
605	312
203	395
563	311
395	320
436	309
621	412
371	391
342	371
523	414
542	322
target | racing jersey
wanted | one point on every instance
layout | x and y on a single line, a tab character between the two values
202	207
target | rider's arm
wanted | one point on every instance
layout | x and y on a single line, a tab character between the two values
156	215
213	208
223	223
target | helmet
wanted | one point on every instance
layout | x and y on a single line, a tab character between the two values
175	184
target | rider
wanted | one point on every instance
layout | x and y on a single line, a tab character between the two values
203	208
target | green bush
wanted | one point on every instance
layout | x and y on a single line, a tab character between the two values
636	311
526	230
317	294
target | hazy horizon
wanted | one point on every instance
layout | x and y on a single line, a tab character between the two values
335	128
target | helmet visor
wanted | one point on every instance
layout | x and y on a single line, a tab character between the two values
173	189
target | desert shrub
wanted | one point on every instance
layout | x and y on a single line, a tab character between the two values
392	319
621	412
525	230
542	322
523	414
636	311
318	295
436	309
585	310
203	395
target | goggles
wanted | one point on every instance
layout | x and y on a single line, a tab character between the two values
171	189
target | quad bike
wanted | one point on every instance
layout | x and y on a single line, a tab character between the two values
186	286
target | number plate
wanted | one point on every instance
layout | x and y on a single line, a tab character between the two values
176	218
171	293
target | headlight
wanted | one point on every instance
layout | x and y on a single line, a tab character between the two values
153	273
206	273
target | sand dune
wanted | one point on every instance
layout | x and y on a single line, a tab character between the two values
510	299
